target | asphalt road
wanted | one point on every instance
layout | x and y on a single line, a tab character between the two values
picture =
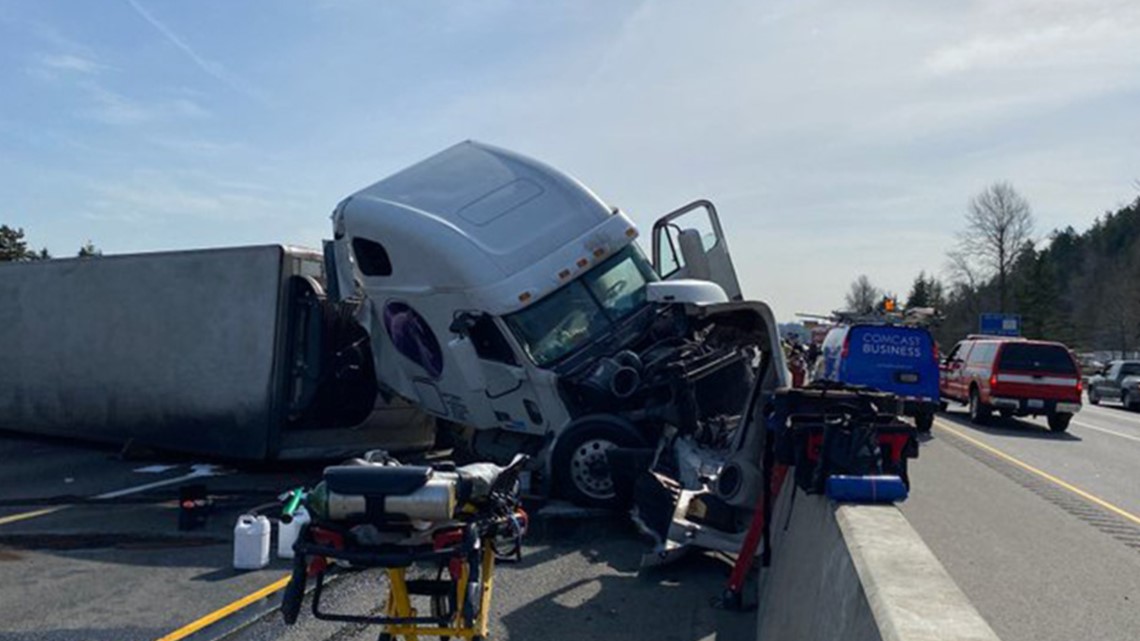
73	566
1048	553
578	579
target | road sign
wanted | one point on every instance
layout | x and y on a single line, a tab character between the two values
1000	324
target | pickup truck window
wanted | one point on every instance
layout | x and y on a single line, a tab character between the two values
1129	369
584	309
1028	357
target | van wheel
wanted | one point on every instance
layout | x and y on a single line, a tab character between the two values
979	411
581	469
923	422
1059	422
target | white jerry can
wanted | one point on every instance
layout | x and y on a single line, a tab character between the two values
288	529
251	542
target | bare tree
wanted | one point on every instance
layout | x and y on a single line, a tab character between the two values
863	295
998	223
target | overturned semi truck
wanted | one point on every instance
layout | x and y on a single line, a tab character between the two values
235	353
507	300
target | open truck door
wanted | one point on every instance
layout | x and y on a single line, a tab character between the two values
689	243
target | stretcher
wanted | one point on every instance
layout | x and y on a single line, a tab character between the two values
359	528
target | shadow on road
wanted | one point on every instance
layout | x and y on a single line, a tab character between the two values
584	584
1014	427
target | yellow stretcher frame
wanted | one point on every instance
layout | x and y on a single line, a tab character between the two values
399	605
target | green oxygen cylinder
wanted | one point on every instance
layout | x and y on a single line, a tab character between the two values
317	502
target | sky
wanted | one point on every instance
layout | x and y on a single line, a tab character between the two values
836	138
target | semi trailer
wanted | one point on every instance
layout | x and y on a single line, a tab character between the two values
233	353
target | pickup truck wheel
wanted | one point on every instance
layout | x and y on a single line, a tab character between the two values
1094	398
1126	400
581	469
1059	422
924	421
979	411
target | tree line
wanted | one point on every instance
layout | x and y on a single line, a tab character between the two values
13	247
1080	288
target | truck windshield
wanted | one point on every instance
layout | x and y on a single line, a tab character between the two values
584	309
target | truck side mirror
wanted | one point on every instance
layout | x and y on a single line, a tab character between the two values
463	323
693	252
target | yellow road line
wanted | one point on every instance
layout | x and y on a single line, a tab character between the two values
23	516
223	612
1045	475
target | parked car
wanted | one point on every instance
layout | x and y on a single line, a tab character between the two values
1015	376
1120	381
900	359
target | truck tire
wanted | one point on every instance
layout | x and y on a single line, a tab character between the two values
924	421
1126	400
979	411
1094	398
1059	421
581	471
943	406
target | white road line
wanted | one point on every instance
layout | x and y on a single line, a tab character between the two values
1101	429
198	471
1115	413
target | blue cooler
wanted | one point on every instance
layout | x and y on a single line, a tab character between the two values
866	489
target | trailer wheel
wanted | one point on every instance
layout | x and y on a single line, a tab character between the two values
581	470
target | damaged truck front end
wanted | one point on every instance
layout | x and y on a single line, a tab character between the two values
511	303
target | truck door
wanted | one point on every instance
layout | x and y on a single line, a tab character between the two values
1110	386
689	243
952	372
504	382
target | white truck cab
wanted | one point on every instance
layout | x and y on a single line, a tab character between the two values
505	297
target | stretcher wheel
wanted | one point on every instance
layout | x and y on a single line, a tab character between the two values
294	591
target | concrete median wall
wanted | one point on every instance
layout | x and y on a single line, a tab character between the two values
858	573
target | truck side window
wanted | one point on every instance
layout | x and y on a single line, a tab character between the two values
371	257
954	353
489	342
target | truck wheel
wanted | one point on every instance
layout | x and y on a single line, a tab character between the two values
1059	422
924	421
1094	398
943	406
1126	400
581	470
979	411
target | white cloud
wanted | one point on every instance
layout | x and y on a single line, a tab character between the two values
71	63
113	108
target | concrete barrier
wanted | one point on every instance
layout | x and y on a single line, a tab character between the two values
857	573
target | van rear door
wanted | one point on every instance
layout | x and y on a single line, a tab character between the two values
893	359
689	243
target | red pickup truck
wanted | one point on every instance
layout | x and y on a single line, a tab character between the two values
1015	376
